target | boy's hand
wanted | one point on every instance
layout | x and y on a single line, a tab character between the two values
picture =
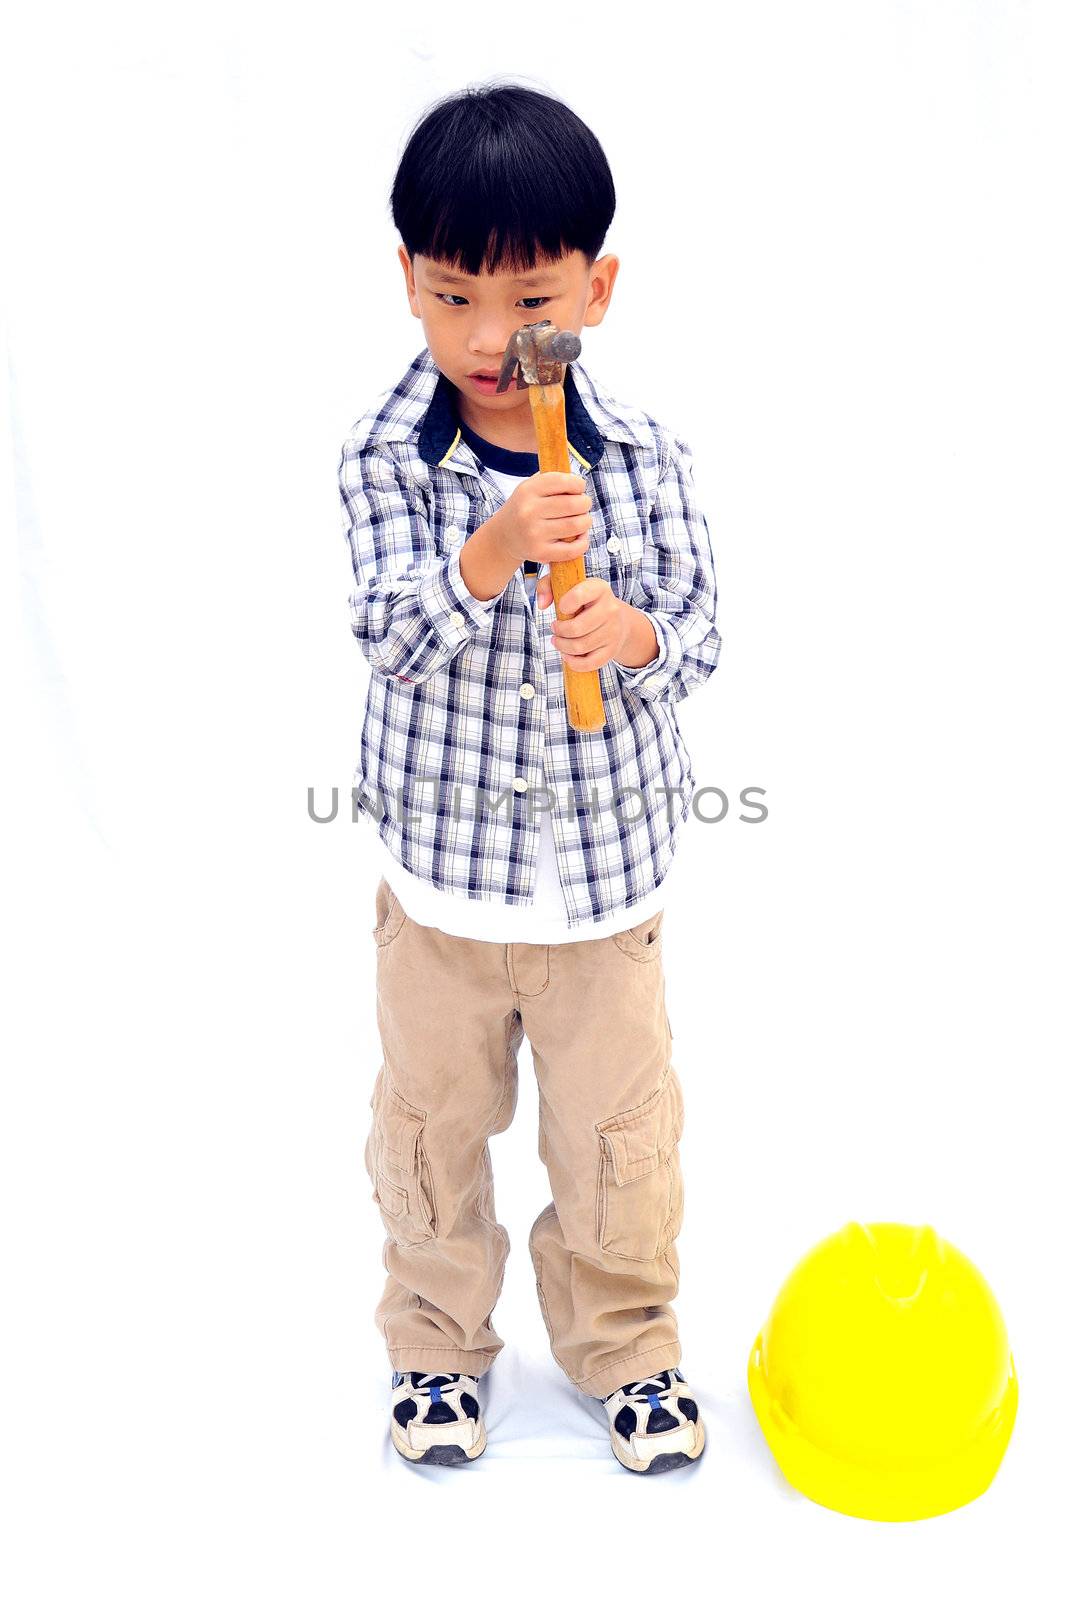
546	518
593	626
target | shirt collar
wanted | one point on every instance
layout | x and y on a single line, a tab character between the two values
423	407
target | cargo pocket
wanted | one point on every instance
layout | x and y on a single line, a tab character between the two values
389	914
639	1193
403	1186
644	941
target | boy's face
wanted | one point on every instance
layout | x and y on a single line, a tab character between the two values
468	322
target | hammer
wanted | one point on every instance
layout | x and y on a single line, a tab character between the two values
539	350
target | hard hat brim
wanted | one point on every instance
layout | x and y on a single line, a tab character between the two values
906	1493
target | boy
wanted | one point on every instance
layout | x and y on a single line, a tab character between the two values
523	863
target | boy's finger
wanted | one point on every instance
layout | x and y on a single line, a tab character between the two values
580	594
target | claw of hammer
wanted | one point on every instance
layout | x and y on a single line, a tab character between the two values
538	350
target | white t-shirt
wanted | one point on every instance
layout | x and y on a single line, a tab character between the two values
543	922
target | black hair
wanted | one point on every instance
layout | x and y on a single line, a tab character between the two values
502	175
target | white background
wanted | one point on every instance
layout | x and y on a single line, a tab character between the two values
840	228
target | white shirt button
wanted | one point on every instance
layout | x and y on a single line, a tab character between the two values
519	783
613	543
526	690
456	617
452	534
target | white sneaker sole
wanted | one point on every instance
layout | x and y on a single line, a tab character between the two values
666	1458
453	1444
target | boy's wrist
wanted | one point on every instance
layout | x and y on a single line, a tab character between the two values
500	536
640	645
486	562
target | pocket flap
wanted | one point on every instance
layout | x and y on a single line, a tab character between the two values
388	1195
401	1125
639	1140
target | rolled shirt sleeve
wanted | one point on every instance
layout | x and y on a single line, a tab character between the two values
448	604
411	610
676	588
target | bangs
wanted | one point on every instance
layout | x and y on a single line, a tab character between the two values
502	180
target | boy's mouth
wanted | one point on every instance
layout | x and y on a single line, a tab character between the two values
486	382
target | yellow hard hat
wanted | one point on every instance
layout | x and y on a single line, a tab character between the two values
882	1378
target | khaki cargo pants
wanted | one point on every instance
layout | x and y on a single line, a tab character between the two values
452	1013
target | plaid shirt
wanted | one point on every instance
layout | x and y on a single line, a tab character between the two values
465	735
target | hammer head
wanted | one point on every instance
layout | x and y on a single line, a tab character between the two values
539	351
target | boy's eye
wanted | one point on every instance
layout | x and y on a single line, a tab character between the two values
541	300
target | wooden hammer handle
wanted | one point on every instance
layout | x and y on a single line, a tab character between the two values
585	704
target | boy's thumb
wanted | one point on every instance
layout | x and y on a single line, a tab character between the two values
544	590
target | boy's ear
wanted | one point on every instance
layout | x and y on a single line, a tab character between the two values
601	284
409	281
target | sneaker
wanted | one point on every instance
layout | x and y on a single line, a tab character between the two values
436	1417
654	1424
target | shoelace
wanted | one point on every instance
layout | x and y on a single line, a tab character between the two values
430	1380
646	1388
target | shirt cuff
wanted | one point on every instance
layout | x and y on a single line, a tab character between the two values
657	673
448	604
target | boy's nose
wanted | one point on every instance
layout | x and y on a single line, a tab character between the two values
494	335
